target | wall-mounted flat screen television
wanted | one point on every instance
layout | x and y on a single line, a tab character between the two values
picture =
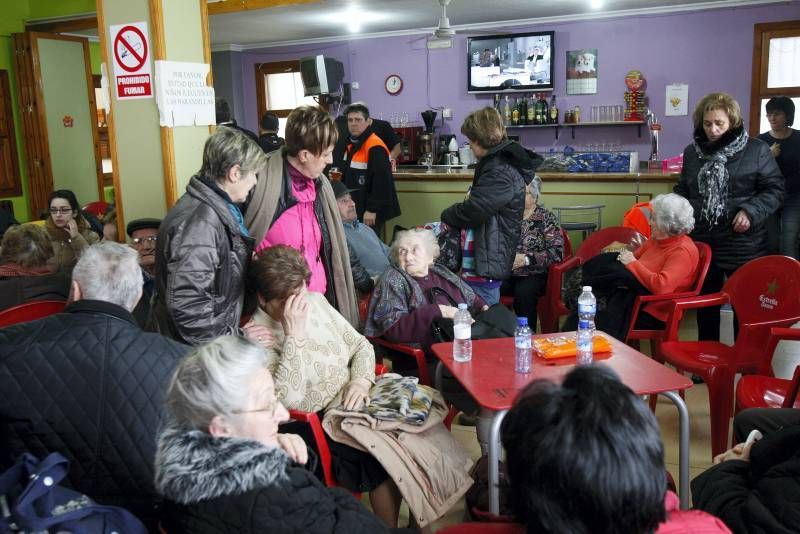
510	63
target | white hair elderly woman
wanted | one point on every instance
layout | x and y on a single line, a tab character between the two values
668	261
223	467
406	300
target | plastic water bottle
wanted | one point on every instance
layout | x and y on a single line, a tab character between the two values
522	346
462	332
587	307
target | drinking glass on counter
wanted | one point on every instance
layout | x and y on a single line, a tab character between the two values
595	113
617	113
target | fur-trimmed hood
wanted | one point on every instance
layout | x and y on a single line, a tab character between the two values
193	466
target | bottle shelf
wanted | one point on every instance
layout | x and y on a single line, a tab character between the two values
572	126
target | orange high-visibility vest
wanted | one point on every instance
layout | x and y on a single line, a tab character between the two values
359	159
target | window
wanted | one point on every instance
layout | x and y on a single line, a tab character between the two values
279	89
776	68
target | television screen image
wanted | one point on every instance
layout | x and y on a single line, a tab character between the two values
516	62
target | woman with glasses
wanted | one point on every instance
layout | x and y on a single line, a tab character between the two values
69	231
784	143
221	464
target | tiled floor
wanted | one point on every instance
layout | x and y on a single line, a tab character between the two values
666	413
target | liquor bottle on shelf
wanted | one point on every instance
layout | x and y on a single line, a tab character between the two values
545	109
522	103
531	115
514	114
506	111
553	110
497	103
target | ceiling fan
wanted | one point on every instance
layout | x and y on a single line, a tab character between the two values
443	34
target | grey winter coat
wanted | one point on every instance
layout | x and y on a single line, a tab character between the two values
755	185
494	207
222	485
201	261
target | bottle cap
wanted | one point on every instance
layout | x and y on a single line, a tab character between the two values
522	321
587	288
462	306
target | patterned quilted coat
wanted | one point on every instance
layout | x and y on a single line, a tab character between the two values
88	383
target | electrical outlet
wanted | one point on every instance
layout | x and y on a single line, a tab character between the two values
447	113
354	85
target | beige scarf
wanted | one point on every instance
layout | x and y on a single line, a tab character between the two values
261	211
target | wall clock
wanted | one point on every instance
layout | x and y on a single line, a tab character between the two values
393	84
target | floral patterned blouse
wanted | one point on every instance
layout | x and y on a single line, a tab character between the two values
541	240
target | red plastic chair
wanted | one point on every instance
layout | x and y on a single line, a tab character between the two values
415	352
319	436
765	390
98	208
657	336
551	306
763	292
483	528
30	311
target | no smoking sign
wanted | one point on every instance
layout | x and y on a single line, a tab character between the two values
131	51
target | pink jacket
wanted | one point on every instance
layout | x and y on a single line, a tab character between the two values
689	521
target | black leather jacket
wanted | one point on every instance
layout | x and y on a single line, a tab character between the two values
494	207
201	261
755	185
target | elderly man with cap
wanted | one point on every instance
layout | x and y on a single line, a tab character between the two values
143	234
372	253
268	137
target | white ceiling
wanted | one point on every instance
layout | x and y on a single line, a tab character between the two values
329	19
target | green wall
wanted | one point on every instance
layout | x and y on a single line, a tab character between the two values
13	15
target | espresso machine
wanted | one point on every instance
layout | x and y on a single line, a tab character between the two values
427	139
409	148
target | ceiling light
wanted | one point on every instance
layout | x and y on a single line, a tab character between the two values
595	4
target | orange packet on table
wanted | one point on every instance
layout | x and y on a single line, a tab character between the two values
565	346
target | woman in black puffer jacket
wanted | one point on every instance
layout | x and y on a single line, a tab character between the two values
495	203
734	185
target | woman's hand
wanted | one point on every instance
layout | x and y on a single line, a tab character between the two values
448	312
625	257
519	261
294	446
741	222
260	334
356	394
775	149
295	312
72	228
739	452
370	217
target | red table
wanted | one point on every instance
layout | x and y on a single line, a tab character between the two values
491	380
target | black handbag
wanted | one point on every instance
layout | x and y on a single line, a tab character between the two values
497	321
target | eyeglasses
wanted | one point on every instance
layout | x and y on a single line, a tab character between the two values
269	409
62	211
141	240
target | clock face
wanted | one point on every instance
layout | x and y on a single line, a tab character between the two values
393	84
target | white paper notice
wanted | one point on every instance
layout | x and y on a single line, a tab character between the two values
182	96
677	100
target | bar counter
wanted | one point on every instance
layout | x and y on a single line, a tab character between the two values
423	195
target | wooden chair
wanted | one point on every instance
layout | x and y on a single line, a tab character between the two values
552	306
763	292
30	311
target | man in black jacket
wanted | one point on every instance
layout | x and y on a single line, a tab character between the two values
89	383
755	488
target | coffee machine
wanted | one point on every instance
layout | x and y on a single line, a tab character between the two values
427	139
409	144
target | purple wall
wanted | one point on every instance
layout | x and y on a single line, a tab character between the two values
710	50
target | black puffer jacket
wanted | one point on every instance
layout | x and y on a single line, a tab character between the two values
755	185
494	207
759	496
221	485
201	260
87	383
